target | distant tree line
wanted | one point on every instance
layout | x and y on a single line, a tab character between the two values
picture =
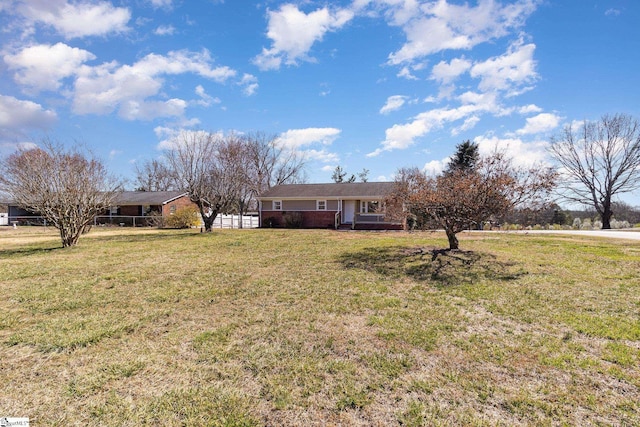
596	162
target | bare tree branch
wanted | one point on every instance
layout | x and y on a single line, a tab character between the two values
68	188
599	160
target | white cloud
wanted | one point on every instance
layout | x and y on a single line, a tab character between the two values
108	87
400	137
296	138
447	72
165	30
7	148
393	103
508	72
523	153
612	12
18	116
294	32
541	123
205	99
249	83
42	67
405	72
170	138
149	110
436	26
528	109
161	3
468	124
323	156
435	167
76	19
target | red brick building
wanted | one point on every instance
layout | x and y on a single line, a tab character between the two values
357	205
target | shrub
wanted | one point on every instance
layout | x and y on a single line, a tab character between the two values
270	222
292	219
155	219
186	217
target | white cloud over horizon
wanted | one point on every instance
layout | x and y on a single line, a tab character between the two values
543	122
18	116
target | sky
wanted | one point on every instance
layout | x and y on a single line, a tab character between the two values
364	84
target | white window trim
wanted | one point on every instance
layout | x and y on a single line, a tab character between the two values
318	202
274	203
364	207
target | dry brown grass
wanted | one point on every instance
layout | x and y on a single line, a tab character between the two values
307	327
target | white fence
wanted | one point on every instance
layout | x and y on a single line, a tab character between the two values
233	221
221	221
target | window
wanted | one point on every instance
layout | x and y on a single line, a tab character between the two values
369	206
277	205
172	209
321	205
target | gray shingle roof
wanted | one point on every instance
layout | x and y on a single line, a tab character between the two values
145	198
354	190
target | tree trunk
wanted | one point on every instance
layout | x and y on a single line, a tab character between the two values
208	221
453	240
606	216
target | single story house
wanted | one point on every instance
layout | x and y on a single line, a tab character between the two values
357	205
142	203
127	206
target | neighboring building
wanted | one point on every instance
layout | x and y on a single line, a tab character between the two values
142	203
130	207
357	205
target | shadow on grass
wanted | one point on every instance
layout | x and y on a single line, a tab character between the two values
131	237
23	252
442	266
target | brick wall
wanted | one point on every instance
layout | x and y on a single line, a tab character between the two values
310	219
129	210
178	204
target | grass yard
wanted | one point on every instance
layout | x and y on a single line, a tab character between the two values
314	327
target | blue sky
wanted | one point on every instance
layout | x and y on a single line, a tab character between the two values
375	84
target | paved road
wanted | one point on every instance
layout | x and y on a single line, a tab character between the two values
613	234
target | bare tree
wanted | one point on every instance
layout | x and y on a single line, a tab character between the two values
598	161
68	188
364	175
270	163
154	175
463	197
195	162
235	163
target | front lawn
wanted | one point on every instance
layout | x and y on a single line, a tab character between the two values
314	327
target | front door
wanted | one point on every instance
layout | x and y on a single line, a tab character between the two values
348	211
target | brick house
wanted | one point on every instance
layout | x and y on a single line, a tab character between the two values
141	203
357	205
128	207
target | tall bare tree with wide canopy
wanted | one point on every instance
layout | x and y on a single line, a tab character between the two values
599	160
194	161
68	188
224	173
270	163
154	175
